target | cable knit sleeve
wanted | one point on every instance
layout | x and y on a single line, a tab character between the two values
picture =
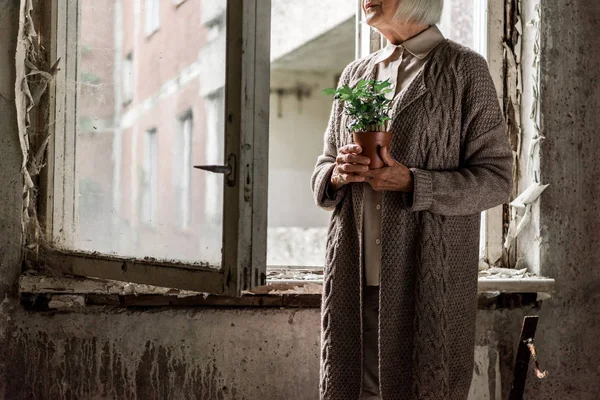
485	177
326	161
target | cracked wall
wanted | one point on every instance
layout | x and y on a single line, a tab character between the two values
170	354
570	207
200	353
11	180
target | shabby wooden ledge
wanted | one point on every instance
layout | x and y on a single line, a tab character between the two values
66	293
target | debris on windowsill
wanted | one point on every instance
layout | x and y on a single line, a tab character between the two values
283	275
67	301
495	280
491	280
34	282
307	288
286	287
506	273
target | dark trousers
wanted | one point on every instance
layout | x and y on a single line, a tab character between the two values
370	343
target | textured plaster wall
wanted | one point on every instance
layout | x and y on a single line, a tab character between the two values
203	354
11	182
171	354
570	207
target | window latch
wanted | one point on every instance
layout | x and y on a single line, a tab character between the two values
228	170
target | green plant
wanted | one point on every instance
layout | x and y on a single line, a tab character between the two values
365	103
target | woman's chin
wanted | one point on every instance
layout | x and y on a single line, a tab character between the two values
373	19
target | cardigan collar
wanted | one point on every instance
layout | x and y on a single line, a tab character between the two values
419	46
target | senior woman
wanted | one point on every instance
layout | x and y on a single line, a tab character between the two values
399	294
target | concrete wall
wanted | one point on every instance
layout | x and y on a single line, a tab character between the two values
203	354
569	209
173	354
273	353
11	182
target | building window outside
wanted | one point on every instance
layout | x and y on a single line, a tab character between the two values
213	154
183	171
128	79
149	181
152	12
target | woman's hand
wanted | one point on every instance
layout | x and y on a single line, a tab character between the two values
393	177
349	163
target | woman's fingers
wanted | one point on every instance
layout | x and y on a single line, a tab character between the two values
387	157
350	178
352	159
351	148
349	164
354	168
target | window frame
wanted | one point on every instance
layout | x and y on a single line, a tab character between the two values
183	181
127	79
149	179
245	204
493	247
151	17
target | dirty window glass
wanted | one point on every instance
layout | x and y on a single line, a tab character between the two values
148	108
310	46
466	22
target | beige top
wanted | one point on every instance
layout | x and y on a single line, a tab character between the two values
400	64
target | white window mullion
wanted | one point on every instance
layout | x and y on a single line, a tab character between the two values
481	27
494	51
185	168
152	16
128	79
149	178
213	154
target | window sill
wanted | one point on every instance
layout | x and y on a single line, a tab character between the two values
48	293
151	33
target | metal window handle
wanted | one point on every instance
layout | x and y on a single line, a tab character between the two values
228	170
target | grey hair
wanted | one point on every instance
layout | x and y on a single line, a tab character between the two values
426	12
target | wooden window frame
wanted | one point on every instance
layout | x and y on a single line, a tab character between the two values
246	147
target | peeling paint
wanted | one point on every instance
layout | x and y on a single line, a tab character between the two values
30	84
520	213
524	203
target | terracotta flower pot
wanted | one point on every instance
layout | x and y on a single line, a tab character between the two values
371	143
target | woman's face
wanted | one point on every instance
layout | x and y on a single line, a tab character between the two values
380	13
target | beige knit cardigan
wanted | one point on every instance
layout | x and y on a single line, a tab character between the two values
449	129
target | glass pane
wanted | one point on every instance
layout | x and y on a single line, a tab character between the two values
465	22
310	46
150	105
